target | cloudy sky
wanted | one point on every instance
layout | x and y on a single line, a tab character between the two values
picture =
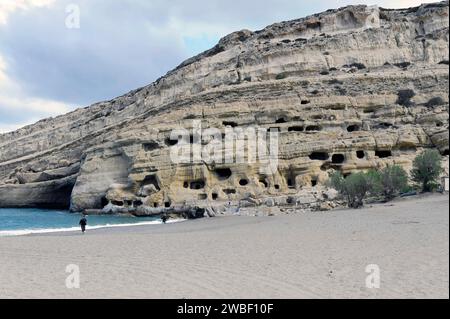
51	62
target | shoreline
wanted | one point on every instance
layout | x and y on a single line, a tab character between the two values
130	227
75	229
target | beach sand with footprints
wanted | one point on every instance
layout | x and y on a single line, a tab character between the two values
307	255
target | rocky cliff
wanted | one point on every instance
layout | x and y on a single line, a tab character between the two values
348	89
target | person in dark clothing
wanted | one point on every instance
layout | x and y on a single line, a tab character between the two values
83	223
164	218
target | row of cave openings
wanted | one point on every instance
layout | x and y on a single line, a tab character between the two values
222	174
339	158
282	120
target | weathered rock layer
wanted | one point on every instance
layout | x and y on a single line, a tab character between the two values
349	89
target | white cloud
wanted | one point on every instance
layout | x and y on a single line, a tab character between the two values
14	102
8	7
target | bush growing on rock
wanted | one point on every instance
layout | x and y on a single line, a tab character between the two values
426	170
436	101
394	180
356	187
405	96
281	76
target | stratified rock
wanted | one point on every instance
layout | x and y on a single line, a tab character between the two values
349	89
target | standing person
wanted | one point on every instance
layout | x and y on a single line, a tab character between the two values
164	218
83	223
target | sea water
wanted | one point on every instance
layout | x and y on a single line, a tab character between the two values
15	222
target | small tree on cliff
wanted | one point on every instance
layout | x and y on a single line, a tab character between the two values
356	187
426	170
394	180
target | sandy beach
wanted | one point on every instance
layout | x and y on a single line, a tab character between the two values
309	255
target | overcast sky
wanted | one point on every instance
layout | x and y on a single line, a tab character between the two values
49	66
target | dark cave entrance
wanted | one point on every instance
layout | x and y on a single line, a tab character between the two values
243	182
151	180
104	201
319	156
353	128
223	173
338	159
197	185
383	154
296	129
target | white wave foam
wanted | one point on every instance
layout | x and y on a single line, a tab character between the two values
23	232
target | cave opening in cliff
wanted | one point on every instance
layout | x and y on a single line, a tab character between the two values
215	196
186	185
296	129
104	201
167	204
155	205
445	153
313	128
196	185
229	191
151	146
383	154
243	182
281	120
171	142
353	128
223	173
137	203
304	102
338	158
360	154
151	180
229	123
277	187
313	182
291	182
117	203
263	181
319	156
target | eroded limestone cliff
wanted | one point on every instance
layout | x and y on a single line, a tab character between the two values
348	89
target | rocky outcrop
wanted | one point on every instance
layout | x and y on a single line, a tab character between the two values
349	89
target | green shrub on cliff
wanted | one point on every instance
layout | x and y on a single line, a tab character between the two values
426	170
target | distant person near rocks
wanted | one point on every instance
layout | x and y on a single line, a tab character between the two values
83	223
164	218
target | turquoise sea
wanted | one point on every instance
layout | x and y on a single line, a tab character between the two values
19	221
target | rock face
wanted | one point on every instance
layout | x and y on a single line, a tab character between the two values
349	89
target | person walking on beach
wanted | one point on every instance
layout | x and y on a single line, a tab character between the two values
164	218
83	223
